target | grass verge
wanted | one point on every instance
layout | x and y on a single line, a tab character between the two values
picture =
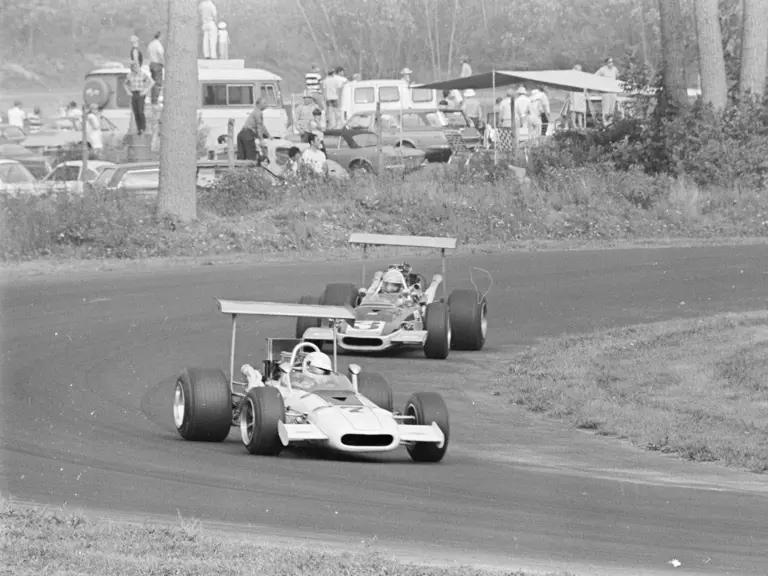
697	388
35	539
244	214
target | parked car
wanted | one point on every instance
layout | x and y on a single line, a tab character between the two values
278	153
358	151
68	175
456	121
65	133
416	132
16	180
38	165
11	133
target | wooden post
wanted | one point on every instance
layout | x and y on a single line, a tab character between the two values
231	143
84	143
379	154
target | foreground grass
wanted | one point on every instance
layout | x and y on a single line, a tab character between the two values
244	214
697	388
35	540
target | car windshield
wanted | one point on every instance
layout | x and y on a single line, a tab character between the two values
329	382
364	140
455	119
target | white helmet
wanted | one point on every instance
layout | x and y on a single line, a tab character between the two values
392	282
317	364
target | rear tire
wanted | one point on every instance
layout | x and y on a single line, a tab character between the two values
340	295
377	389
469	316
202	405
438	326
428	407
262	409
302	324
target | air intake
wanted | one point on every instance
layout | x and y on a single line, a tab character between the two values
367	440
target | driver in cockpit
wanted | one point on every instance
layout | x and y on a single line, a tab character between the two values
316	371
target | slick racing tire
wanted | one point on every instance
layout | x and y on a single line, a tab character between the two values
302	324
438	326
202	405
377	389
340	295
469	317
428	407
262	409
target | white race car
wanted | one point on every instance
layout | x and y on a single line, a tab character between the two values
300	398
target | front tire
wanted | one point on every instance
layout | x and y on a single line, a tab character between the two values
262	409
303	324
438	326
340	295
202	405
428	407
469	315
377	389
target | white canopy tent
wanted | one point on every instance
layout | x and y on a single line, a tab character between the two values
569	80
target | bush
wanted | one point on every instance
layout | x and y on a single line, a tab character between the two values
245	212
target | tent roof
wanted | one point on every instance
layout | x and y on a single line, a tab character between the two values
557	79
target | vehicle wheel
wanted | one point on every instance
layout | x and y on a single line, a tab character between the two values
360	169
262	409
469	315
340	295
438	326
428	407
406	144
202	405
377	389
302	324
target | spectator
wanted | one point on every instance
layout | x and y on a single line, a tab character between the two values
208	16
505	109
313	158
223	41
137	84
331	93
156	54
521	106
73	110
294	157
578	112
466	69
472	108
304	116
316	128
609	100
253	129
540	98
16	115
93	129
340	78
35	120
136	55
406	75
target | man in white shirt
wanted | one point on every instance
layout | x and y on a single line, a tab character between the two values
521	106
331	93
609	100
156	54
313	158
209	16
16	115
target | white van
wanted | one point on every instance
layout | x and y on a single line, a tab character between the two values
363	95
227	89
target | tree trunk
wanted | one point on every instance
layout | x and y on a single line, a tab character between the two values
714	89
672	54
754	48
178	129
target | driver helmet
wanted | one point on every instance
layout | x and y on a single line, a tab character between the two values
317	365
392	282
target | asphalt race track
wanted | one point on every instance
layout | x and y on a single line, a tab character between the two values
89	364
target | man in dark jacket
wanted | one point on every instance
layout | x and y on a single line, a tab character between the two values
253	129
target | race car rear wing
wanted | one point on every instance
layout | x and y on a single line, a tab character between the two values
285	309
434	242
